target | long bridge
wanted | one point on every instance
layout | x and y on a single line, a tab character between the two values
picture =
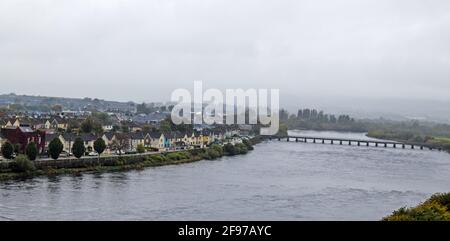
354	142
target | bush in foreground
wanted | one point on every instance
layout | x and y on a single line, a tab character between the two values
436	208
23	164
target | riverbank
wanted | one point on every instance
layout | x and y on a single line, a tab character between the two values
434	142
123	163
436	208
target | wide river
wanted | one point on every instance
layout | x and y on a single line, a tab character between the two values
276	181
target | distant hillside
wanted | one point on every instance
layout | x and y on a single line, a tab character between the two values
45	103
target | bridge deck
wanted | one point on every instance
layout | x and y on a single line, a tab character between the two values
359	141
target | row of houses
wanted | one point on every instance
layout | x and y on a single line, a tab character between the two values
55	123
154	140
23	135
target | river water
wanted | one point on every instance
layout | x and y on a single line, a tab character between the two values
276	181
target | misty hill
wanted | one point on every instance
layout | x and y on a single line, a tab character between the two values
45	103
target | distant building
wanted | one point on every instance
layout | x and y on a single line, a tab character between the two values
23	136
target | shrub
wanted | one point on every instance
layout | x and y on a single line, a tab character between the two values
78	148
240	148
211	154
31	151
17	148
7	150
230	149
435	208
140	148
157	158
22	164
217	148
99	146
248	144
55	148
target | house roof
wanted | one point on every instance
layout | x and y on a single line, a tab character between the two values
69	136
109	135
50	136
88	137
154	134
26	129
137	135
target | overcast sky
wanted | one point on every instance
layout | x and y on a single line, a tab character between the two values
142	50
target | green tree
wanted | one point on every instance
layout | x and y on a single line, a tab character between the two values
87	125
31	151
120	143
99	146
17	148
140	148
55	148
230	149
165	125
7	150
78	148
23	164
248	144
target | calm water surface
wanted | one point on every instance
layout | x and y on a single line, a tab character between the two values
277	181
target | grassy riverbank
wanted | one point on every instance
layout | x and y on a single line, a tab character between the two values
151	160
436	208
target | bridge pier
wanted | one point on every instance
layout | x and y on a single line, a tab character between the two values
323	141
279	139
340	142
332	142
421	147
403	146
359	143
412	146
385	145
394	145
376	144
314	140
296	139
349	143
306	140
287	139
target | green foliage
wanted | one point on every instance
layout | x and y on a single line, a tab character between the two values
87	125
218	149
282	130
23	164
313	119
99	146
248	144
175	156
140	148
17	148
229	149
78	148
212	153
241	148
157	158
90	125
7	150
31	151
435	208
55	148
